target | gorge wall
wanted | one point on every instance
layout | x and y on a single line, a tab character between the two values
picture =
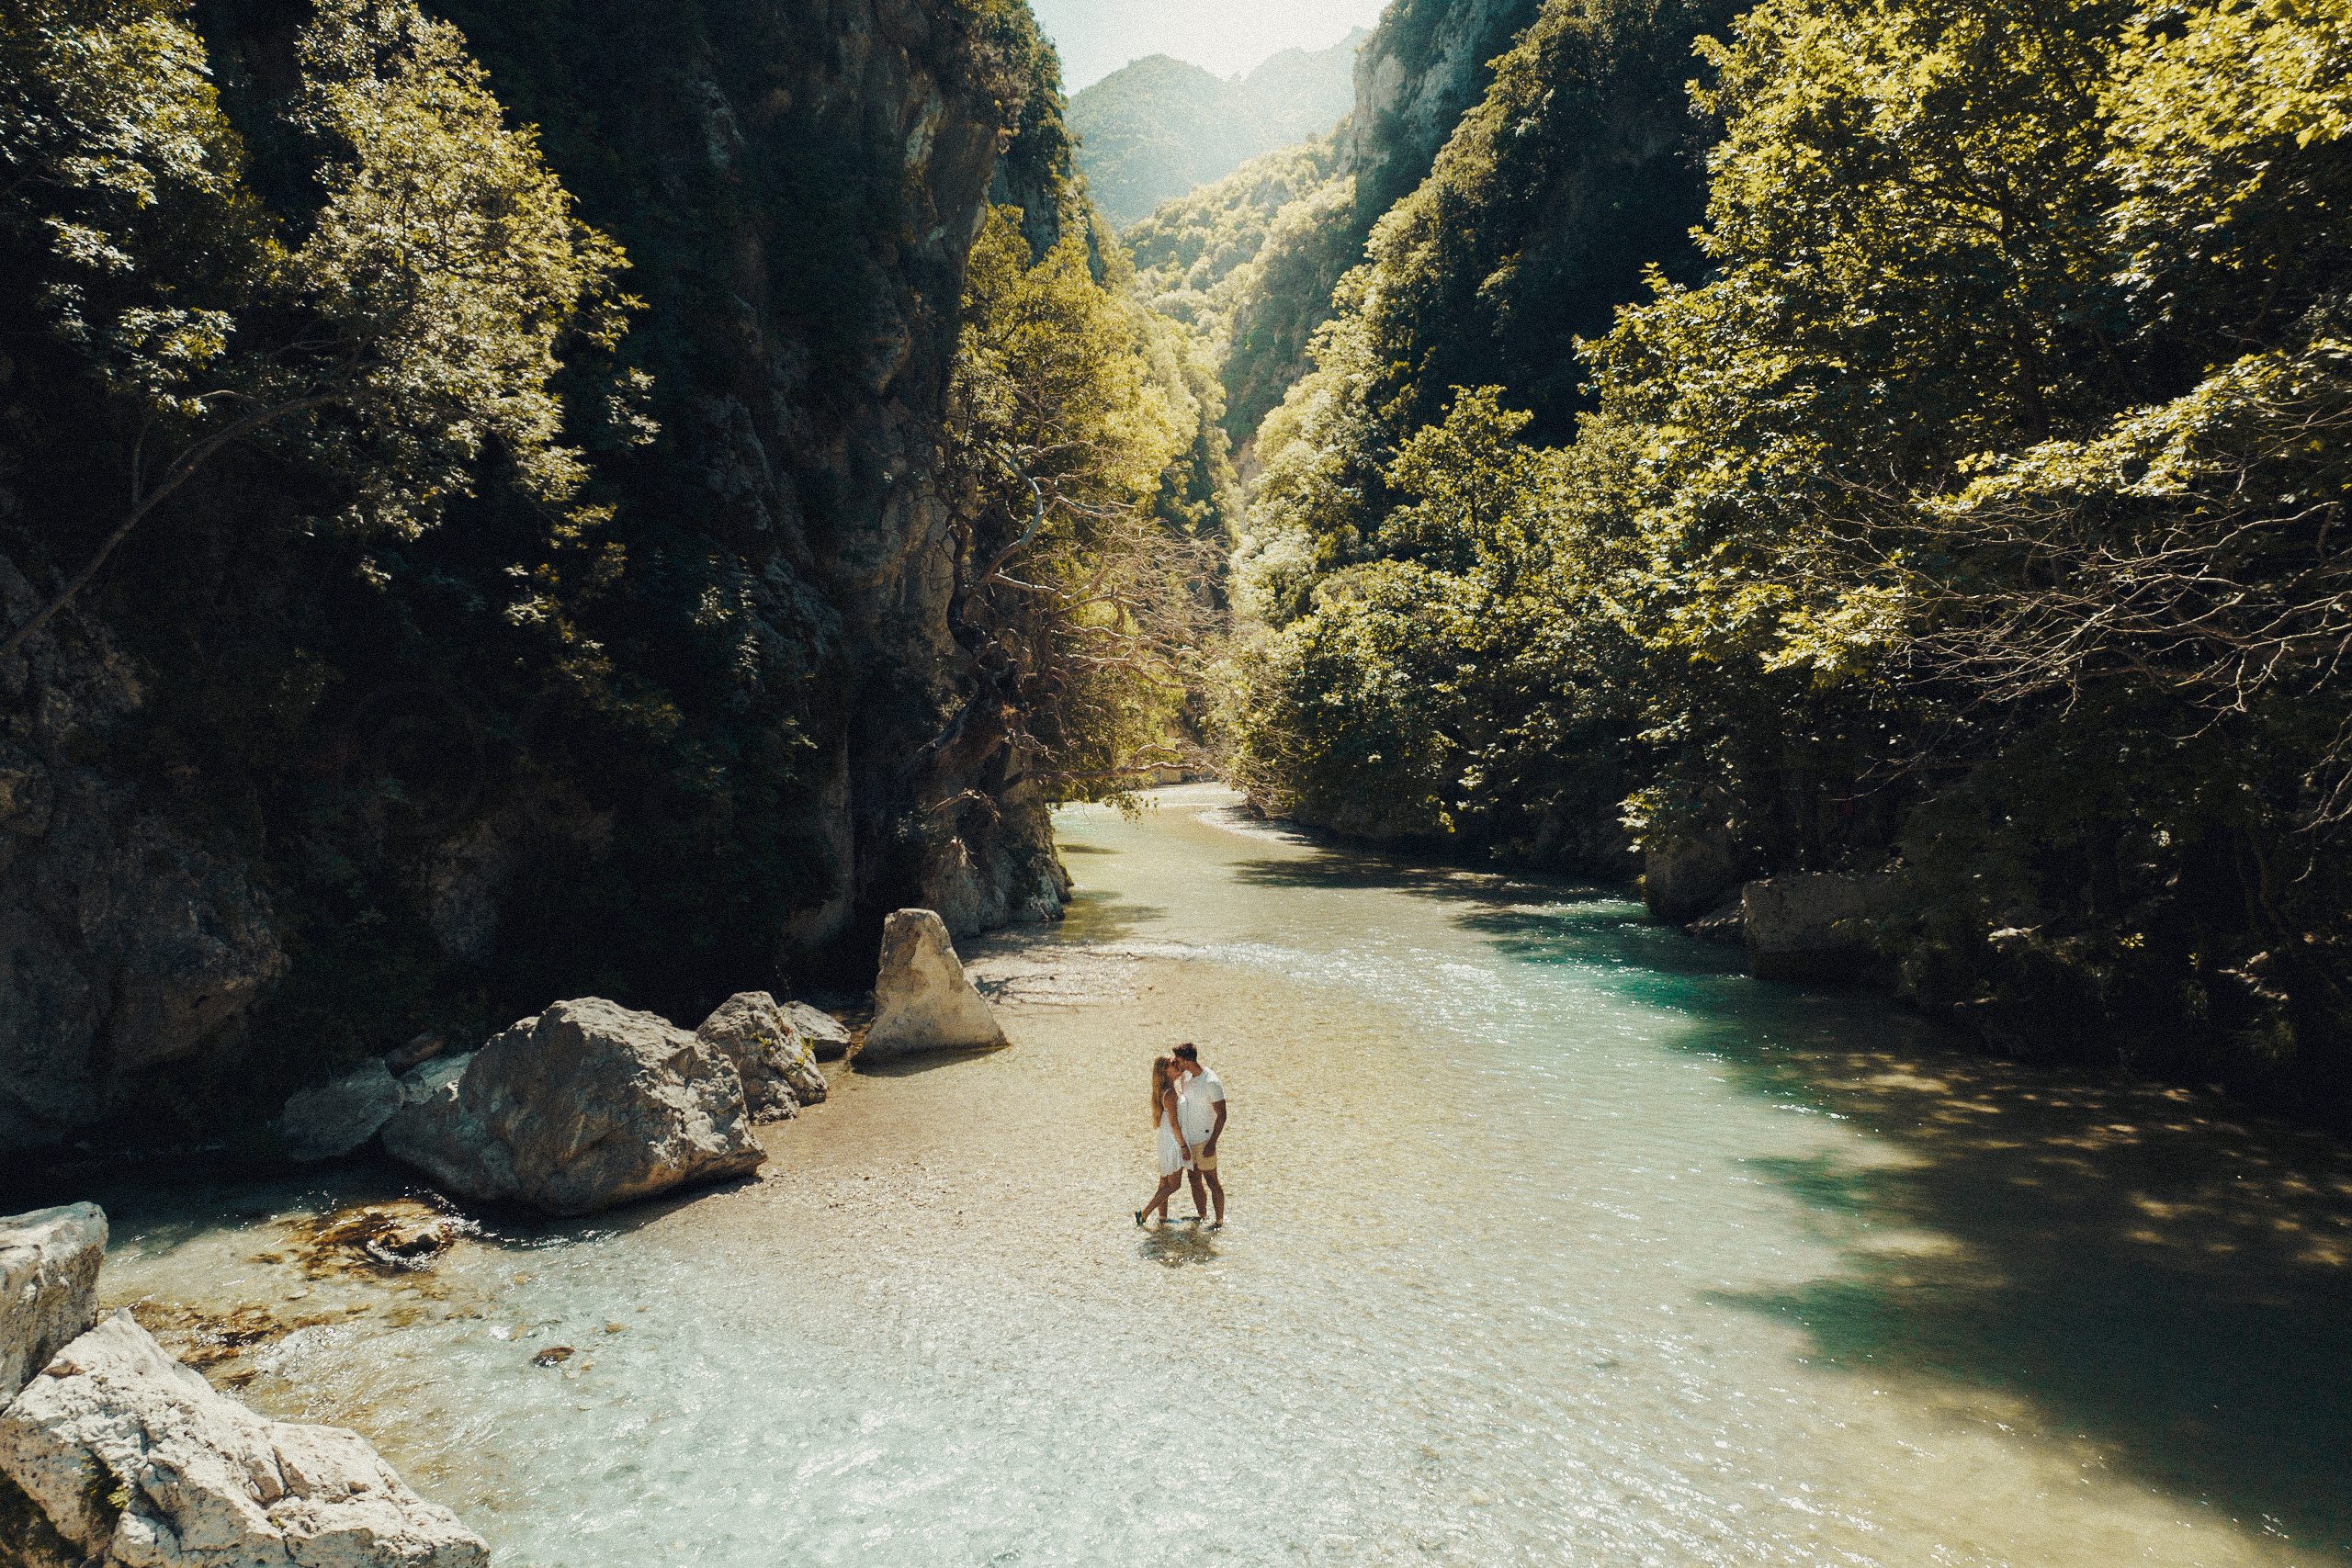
1423	66
271	797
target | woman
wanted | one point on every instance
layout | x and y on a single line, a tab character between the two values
1175	1155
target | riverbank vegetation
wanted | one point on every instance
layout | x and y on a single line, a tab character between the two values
1093	514
1967	502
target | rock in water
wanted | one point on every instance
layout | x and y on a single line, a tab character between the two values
132	1459
585	1106
828	1037
339	1118
922	1000
777	1066
49	1286
1686	875
1811	925
436	1134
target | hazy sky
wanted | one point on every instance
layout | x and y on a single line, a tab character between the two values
1097	37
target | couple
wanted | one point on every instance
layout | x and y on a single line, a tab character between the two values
1188	1105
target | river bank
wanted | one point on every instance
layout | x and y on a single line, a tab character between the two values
1554	1239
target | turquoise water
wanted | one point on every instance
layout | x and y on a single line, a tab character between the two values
1554	1240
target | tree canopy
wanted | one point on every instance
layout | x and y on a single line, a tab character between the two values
1970	507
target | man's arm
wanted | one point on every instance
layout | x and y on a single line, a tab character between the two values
1208	1146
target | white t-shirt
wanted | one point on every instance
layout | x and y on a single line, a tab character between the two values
1196	1105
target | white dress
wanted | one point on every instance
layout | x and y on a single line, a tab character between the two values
1171	1153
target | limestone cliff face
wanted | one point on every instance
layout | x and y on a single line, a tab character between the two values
1423	66
253	818
818	171
128	943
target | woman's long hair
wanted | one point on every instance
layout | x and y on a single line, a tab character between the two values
1161	1067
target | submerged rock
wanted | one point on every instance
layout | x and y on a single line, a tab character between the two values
585	1106
921	999
339	1118
777	1066
129	1458
400	1235
828	1037
1722	923
49	1285
1813	926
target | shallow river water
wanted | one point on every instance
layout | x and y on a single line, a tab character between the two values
1554	1240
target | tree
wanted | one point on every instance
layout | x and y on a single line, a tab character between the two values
387	342
1079	604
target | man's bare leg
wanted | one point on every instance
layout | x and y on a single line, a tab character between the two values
1216	1190
1199	1203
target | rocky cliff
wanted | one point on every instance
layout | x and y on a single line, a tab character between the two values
271	797
1423	66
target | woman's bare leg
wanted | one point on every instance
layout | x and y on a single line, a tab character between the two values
1168	1185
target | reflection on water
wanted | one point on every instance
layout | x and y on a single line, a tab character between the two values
1554	1240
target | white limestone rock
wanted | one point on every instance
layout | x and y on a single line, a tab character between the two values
777	1066
339	1118
921	999
133	1459
49	1285
585	1106
828	1036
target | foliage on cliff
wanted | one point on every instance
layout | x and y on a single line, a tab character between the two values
1978	511
1248	262
1085	583
411	321
1424	66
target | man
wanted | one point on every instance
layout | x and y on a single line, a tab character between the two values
1200	1120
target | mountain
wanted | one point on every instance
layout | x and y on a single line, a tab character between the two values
1156	128
1426	65
1248	261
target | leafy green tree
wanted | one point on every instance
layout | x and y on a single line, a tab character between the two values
389	341
1079	600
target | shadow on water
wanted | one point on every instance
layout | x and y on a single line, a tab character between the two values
2169	1281
1095	917
2148	1268
1177	1246
909	1064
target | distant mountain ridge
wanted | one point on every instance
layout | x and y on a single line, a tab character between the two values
1156	128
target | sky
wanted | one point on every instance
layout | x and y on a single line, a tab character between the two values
1228	37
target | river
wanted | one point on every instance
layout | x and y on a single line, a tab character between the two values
1554	1240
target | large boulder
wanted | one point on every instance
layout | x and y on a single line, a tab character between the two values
921	999
337	1119
1686	874
434	1131
128	1458
49	1286
1811	925
585	1106
777	1066
827	1037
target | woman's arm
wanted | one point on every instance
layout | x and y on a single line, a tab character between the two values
1175	1122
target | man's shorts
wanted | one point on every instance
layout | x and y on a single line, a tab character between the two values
1203	1162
